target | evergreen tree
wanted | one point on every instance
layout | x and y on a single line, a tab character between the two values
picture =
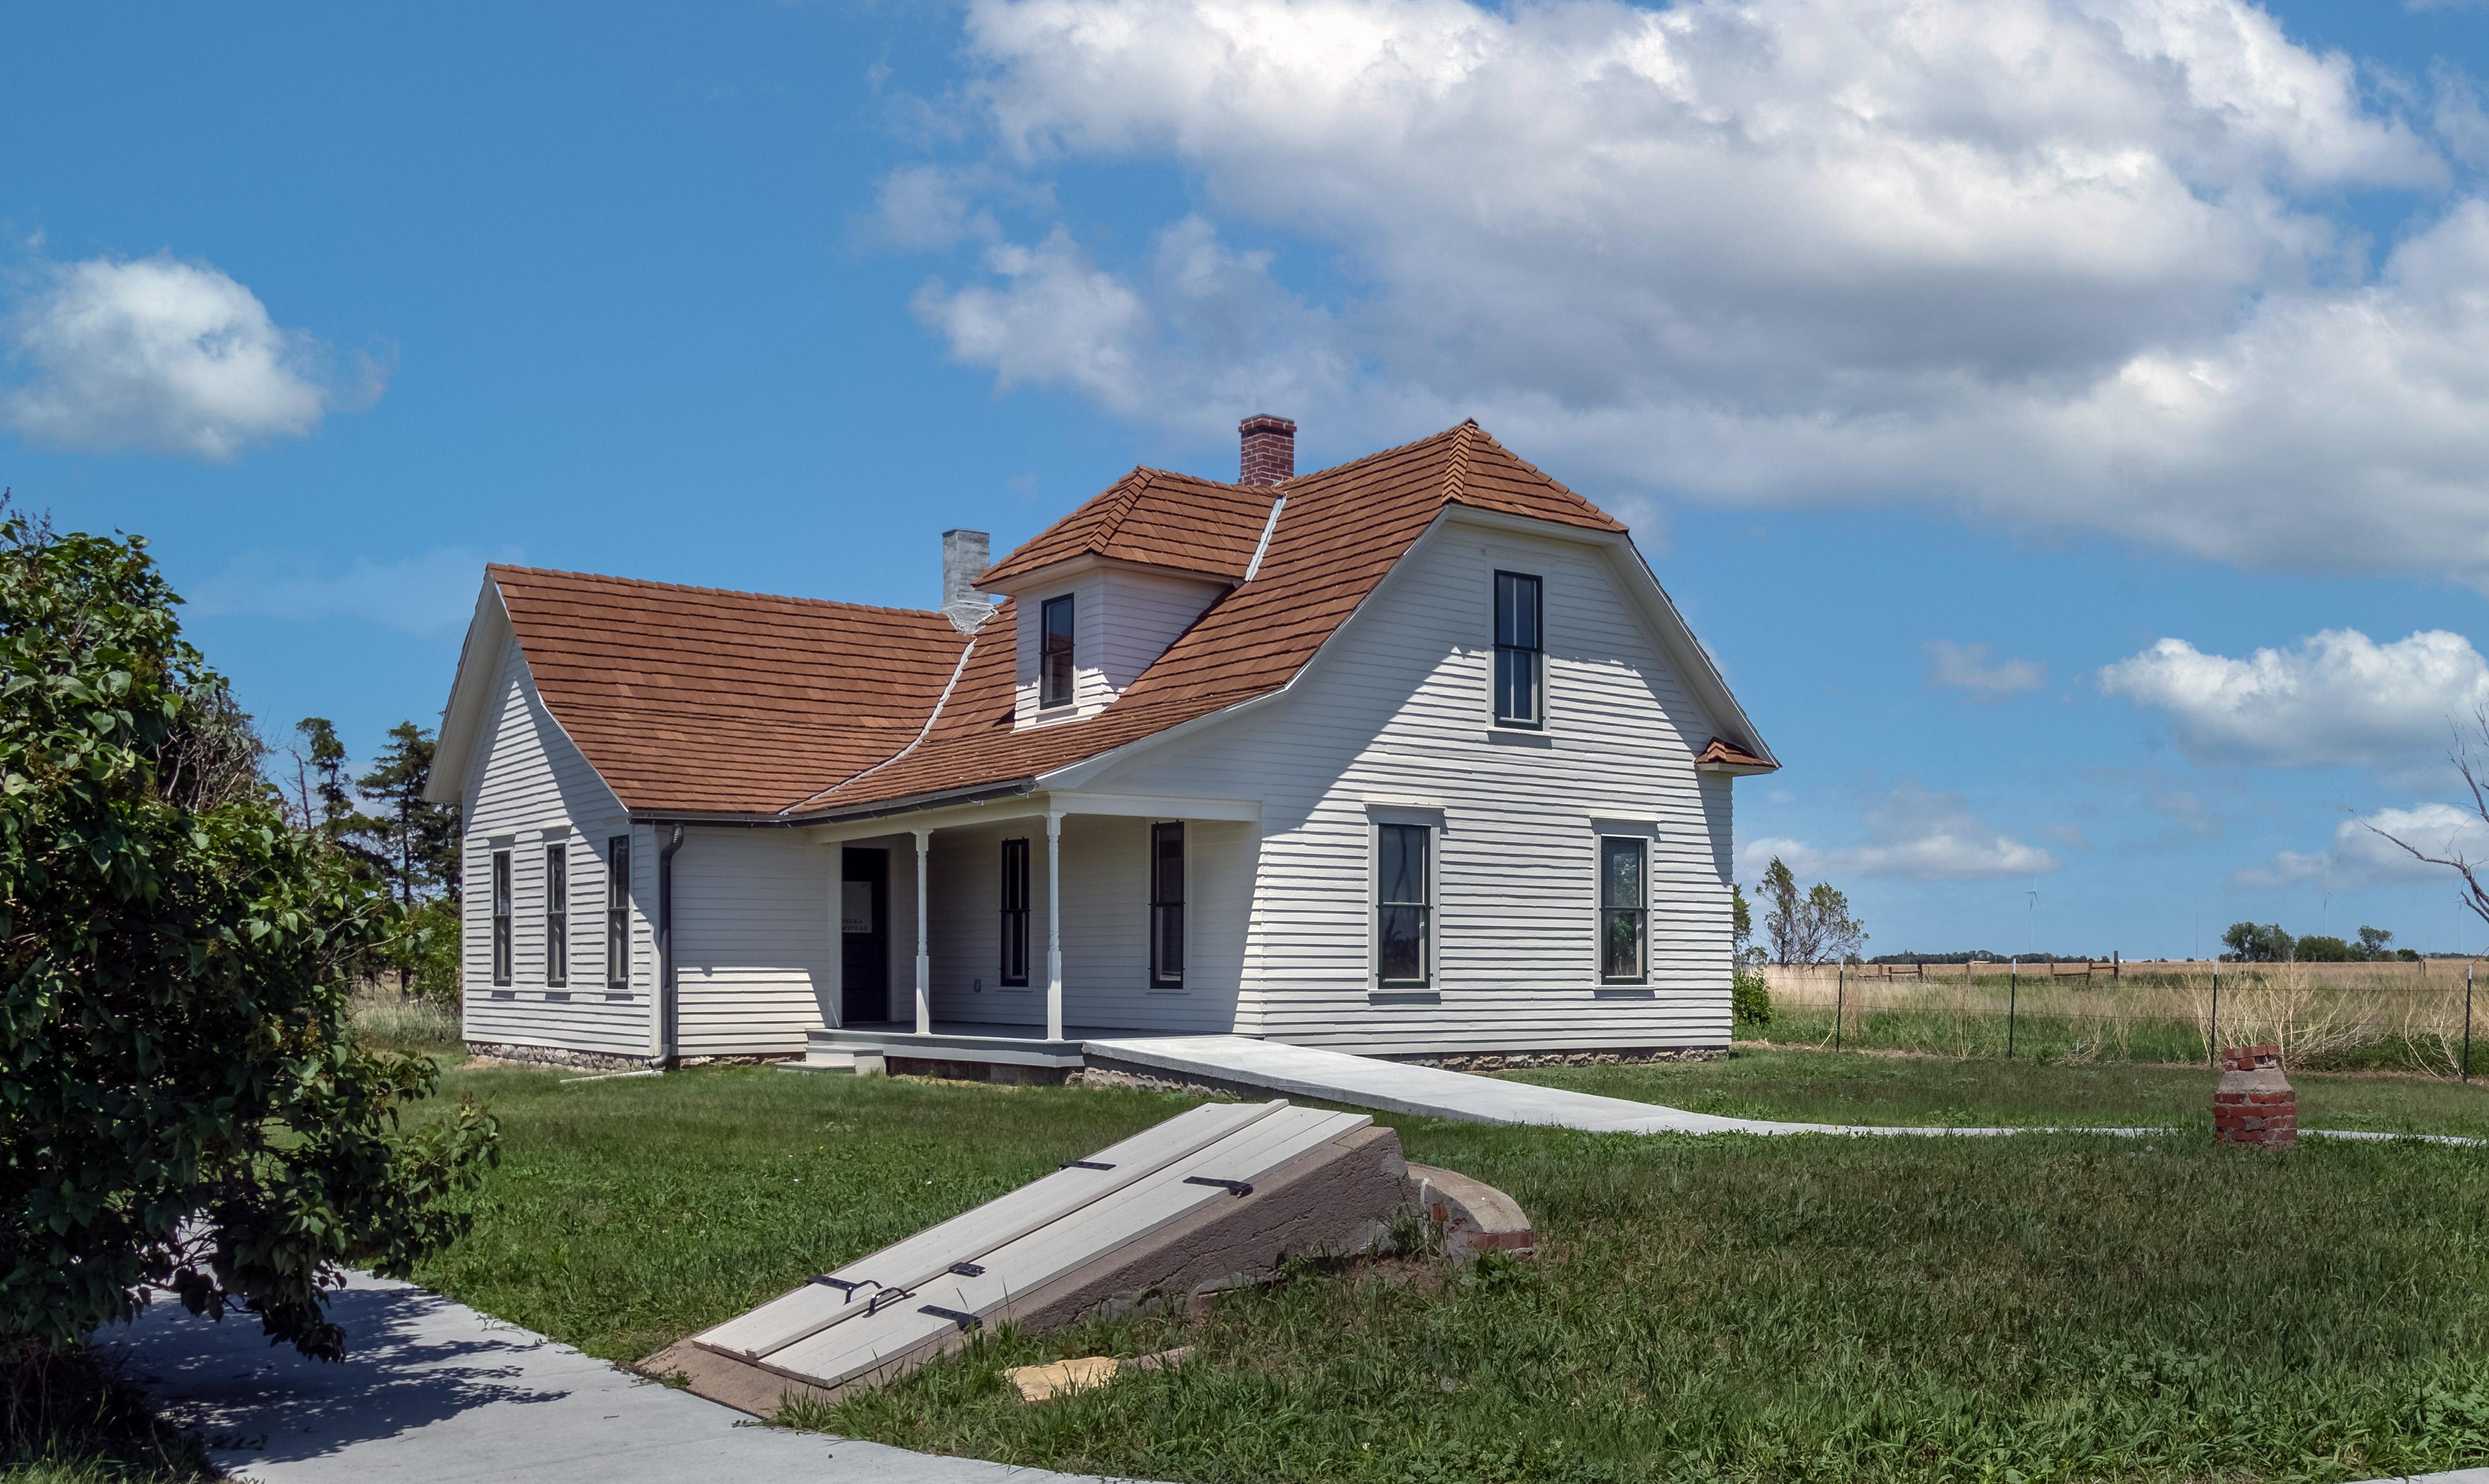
412	842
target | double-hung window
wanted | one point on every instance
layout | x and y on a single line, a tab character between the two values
1166	907
1015	954
1055	652
1403	906
557	918
1520	664
617	912
502	917
1624	910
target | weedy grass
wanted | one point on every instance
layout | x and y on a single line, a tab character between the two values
2047	1307
387	1021
70	1418
2342	1017
1849	1087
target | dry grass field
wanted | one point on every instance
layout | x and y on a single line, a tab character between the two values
2375	1016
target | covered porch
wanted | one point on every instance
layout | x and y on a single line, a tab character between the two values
1006	932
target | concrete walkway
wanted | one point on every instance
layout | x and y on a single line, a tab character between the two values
1397	1087
435	1392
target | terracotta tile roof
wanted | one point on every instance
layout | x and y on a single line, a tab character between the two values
700	700
1730	754
1158	517
695	701
1342	529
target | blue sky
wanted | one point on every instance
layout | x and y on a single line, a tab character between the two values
1994	383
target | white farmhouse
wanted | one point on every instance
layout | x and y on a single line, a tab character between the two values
1410	757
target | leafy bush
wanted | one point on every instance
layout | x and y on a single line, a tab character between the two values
428	953
180	1102
1749	999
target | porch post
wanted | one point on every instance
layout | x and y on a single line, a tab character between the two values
924	958
1053	925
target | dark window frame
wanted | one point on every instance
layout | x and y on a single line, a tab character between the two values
1638	915
1014	973
556	915
1167	887
617	912
1388	908
1520	652
1057	685
505	908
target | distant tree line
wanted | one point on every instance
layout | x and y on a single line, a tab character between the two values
2271	943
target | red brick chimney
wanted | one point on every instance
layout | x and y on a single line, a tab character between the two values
1270	449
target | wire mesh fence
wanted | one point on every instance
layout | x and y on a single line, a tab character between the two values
2383	1017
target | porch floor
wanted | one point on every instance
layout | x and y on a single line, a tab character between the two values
971	1041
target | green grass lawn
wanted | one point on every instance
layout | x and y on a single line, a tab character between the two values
629	1212
2046	1307
1868	1088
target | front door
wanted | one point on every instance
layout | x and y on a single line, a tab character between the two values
864	930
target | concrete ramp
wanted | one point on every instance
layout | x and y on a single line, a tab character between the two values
1218	1194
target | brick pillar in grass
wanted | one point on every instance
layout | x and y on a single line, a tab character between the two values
2254	1103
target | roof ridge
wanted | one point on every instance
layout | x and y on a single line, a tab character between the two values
1380	453
715	592
1131	485
1456	474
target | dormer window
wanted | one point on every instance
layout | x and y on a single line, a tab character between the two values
1054	653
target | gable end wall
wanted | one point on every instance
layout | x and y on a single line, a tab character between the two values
1396	709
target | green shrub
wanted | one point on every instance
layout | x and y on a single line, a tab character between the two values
1749	999
428	953
181	1103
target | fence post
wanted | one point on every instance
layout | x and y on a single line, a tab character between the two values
2013	993
2467	1023
1839	993
2213	1033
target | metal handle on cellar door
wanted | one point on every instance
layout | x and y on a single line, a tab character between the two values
1236	1186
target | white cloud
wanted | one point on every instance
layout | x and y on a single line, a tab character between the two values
161	354
2334	697
1913	834
1958	666
2077	263
1205	318
429	594
2362	855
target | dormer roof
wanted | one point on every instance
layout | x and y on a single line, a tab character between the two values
1153	517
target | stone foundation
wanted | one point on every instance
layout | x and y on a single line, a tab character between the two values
980	1072
511	1054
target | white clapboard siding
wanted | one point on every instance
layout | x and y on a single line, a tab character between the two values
529	788
1023	1266
1395	711
1105	924
971	1235
1122	621
752	939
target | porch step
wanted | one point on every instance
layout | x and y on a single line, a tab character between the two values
952	1046
848	1061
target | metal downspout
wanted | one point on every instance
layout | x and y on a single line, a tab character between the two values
670	1039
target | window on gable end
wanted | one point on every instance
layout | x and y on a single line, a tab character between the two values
1520	661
